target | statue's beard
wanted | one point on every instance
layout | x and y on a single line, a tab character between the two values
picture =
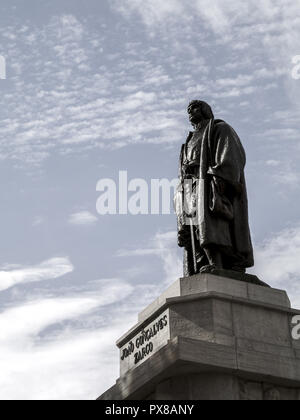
196	120
202	122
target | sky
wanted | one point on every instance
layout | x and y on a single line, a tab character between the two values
97	87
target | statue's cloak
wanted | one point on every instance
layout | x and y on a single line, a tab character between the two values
222	155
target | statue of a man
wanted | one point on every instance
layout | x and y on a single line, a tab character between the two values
211	200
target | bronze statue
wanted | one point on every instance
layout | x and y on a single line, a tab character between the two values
211	200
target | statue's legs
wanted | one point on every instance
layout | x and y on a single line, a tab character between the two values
188	264
208	259
214	257
221	259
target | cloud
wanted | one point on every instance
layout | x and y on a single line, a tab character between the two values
72	97
276	259
163	246
273	163
267	30
284	173
216	16
62	348
83	218
38	221
152	12
283	133
74	92
36	314
155	12
277	262
47	270
288	177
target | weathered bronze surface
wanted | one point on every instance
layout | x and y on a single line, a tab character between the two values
211	200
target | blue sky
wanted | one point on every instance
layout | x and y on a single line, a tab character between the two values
96	87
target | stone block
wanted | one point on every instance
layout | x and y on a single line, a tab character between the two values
211	338
261	324
268	295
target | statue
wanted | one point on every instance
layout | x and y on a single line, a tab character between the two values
211	200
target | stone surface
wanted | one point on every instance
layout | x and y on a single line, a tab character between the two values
235	275
222	338
205	283
149	339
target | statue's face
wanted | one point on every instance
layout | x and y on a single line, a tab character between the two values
195	114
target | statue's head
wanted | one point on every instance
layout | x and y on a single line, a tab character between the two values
199	111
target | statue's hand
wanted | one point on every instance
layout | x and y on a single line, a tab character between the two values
184	237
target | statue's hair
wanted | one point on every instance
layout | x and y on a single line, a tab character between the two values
205	109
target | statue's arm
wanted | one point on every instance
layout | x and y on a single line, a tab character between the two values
228	159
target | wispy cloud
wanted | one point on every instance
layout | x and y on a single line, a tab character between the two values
164	247
83	218
266	28
38	221
277	262
84	96
67	104
60	347
47	270
153	11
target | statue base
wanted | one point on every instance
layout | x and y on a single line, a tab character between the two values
236	275
211	338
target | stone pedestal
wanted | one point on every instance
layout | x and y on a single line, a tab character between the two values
211	338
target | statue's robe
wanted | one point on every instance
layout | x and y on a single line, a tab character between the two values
219	153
